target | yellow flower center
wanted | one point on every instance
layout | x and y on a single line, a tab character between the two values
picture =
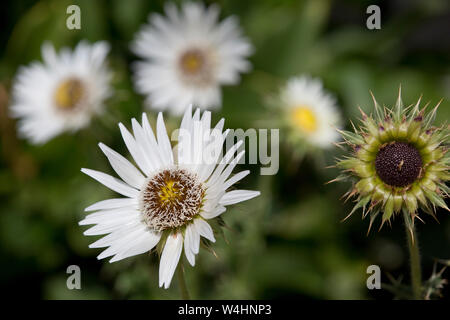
305	119
170	199
69	94
192	61
169	193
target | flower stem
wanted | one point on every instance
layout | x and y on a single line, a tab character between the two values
182	282
414	257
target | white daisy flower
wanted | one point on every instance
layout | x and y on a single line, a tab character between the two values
310	111
187	56
62	93
173	195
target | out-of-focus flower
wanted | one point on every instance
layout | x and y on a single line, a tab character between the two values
187	56
400	161
63	93
309	114
167	203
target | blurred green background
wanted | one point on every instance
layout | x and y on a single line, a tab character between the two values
287	243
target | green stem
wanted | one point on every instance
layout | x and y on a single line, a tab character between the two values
414	257
182	282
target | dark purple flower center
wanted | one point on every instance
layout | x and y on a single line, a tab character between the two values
398	164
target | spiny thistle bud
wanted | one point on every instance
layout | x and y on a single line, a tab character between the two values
400	162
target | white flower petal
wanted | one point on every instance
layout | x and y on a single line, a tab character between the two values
135	150
163	140
237	196
169	258
112	183
226	159
110	216
237	177
187	119
206	123
215	181
119	246
146	145
150	144
123	167
100	229
112	204
204	229
195	239
214	213
116	236
189	245
232	164
147	241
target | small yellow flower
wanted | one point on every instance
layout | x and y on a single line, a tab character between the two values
309	115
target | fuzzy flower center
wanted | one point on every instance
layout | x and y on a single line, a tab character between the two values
398	164
171	198
192	61
305	119
69	94
196	68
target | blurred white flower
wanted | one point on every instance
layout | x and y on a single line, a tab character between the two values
172	196
61	94
187	56
310	112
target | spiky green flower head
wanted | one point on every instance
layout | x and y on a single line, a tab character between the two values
400	162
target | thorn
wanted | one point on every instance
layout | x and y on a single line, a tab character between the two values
368	231
381	226
370	226
433	112
373	97
348	216
354	128
416	107
399	92
424	108
344	195
339	145
354	191
332	181
420	219
362	113
442	271
373	205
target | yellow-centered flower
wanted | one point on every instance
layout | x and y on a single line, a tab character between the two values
305	119
309	115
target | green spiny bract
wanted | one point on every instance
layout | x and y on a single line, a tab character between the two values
399	160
